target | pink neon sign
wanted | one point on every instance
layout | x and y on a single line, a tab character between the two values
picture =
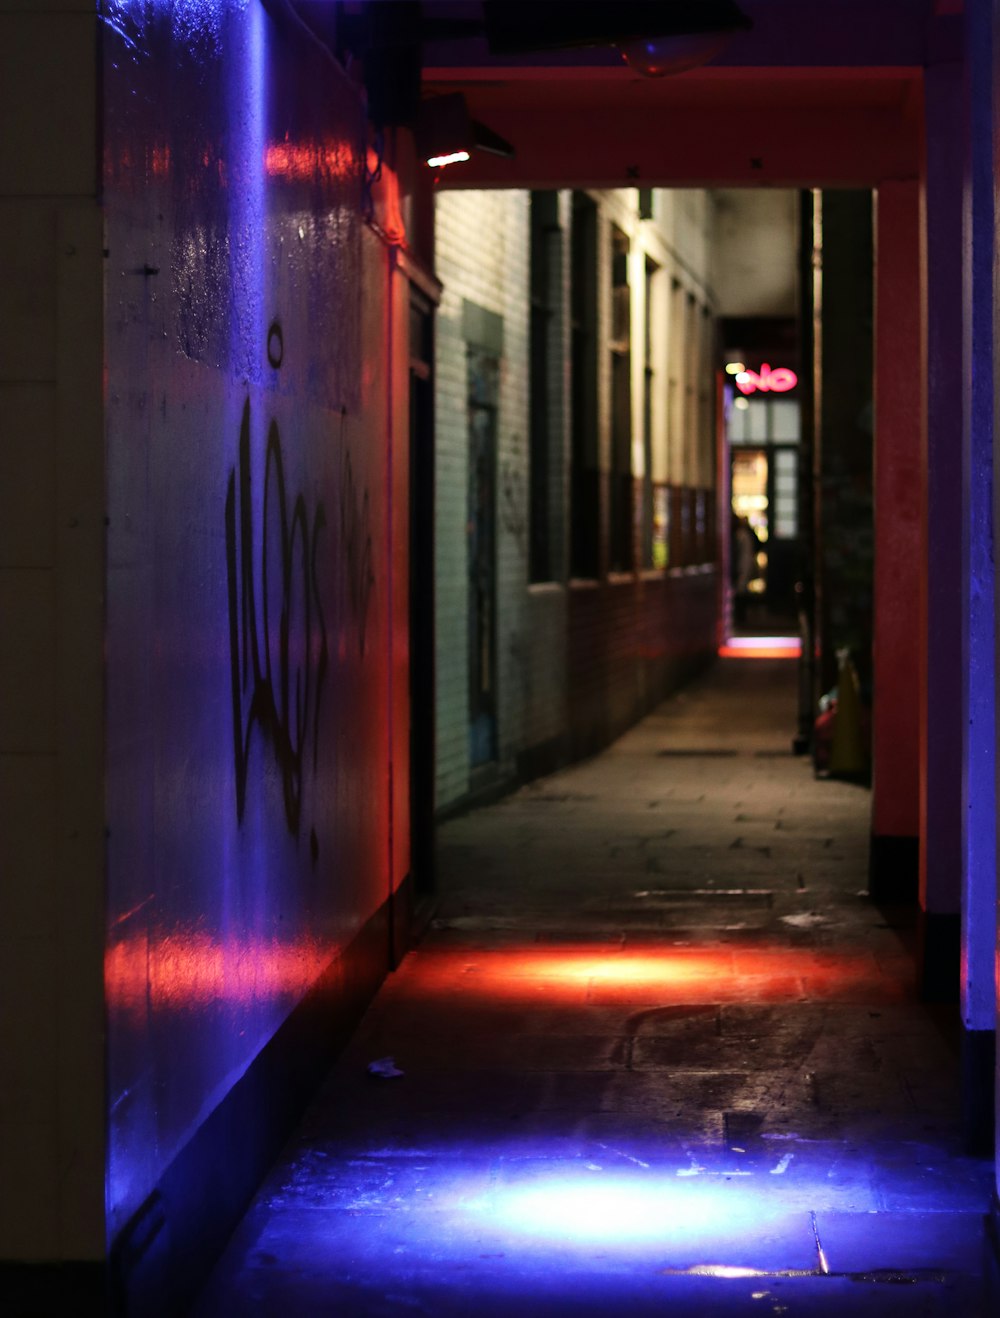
766	380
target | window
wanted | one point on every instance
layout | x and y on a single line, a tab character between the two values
621	491
692	395
785	502
481	535
771	426
648	393
675	410
543	287
762	420
706	404
585	489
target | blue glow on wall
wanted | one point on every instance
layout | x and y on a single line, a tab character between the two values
250	260
233	153
191	21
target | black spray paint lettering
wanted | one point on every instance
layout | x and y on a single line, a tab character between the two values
279	693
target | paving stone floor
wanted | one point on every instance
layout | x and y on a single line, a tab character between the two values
661	1055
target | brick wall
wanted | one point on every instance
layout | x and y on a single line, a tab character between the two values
481	257
577	662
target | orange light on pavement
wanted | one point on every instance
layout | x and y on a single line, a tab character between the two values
761	647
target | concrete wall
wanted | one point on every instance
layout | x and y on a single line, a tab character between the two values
577	661
51	586
755	267
252	320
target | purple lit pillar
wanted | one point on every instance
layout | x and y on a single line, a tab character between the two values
979	887
943	602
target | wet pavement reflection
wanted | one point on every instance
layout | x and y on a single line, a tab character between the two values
659	1053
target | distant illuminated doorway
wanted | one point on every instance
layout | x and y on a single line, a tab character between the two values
749	469
763	432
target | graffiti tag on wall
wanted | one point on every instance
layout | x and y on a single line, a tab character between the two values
277	631
278	636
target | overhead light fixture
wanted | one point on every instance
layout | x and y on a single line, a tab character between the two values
454	158
447	134
655	57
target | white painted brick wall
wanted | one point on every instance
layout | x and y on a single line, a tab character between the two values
481	244
482	253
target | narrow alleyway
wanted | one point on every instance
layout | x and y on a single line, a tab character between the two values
660	1053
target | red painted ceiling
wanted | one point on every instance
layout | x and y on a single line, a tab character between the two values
814	95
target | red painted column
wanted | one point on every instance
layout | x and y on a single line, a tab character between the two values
943	655
898	433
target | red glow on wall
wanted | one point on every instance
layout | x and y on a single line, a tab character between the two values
160	161
197	971
185	973
766	380
307	160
